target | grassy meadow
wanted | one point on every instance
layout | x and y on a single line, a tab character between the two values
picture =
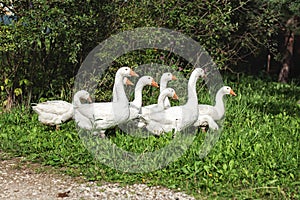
256	157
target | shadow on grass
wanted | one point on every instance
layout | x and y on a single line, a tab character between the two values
277	98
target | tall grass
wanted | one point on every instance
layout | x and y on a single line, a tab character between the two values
256	157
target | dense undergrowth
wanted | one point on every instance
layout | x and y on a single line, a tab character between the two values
256	157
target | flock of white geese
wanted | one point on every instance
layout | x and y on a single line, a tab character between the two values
156	118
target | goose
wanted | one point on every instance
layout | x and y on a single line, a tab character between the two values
53	113
168	92
216	112
177	117
105	115
56	112
136	104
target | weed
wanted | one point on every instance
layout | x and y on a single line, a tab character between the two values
257	155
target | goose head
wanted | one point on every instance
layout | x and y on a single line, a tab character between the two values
148	80
80	96
228	90
126	72
167	77
84	95
199	72
170	93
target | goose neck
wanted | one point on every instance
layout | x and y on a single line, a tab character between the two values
119	89
192	95
161	99
219	102
138	94
76	100
162	85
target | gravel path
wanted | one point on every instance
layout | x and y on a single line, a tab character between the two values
20	180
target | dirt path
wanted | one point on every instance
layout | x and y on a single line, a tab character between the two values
24	180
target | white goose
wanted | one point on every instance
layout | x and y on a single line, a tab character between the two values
177	117
218	110
107	114
136	104
53	113
208	113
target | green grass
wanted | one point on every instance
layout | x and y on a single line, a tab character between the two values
256	157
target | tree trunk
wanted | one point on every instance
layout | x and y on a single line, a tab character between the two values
287	60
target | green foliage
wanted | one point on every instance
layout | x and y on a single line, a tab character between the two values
45	46
257	155
208	22
47	41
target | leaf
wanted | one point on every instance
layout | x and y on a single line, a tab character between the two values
231	164
18	91
206	168
24	82
271	182
257	147
184	169
6	81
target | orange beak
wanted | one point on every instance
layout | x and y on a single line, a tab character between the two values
232	93
89	99
128	82
175	96
174	78
154	84
132	73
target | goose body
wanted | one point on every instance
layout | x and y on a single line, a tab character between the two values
53	113
177	117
